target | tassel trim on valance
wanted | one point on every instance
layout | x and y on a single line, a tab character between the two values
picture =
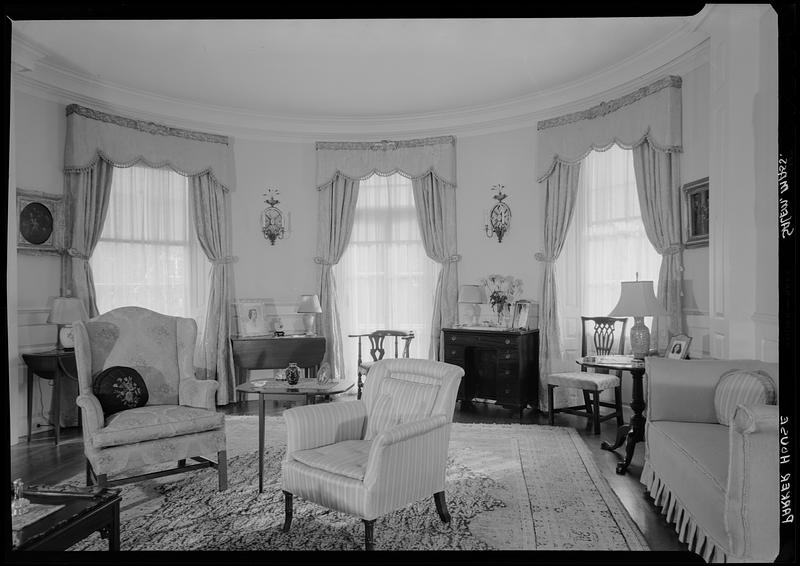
646	137
145	126
386	145
431	171
688	530
99	154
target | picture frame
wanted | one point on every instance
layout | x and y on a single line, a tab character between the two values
520	320
251	317
678	348
695	213
40	218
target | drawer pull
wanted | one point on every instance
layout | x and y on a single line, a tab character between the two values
452	352
508	391
508	341
508	356
452	338
508	372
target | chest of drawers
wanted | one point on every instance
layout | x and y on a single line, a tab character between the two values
498	365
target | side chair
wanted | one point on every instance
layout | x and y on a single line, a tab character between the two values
377	350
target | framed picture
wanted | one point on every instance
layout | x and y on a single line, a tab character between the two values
41	222
678	348
252	319
695	213
521	315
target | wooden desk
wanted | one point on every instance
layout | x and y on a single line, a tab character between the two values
55	365
269	352
498	364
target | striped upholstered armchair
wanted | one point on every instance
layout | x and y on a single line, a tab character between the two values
373	456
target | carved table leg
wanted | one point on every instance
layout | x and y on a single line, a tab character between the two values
634	432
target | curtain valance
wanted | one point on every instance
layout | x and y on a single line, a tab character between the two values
652	112
92	135
411	158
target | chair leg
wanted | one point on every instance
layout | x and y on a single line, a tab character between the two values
287	511
550	411
182	463
369	534
618	405
587	401
596	415
441	506
222	469
89	474
102	480
360	385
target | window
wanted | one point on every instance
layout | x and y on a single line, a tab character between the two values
606	244
385	280
148	254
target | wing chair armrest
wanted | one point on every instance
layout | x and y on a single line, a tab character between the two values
198	393
752	495
421	444
311	426
91	413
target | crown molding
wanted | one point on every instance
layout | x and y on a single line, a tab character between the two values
677	53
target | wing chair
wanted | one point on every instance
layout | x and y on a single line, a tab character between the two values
376	455
179	420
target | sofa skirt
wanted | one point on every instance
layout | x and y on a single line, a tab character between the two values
688	530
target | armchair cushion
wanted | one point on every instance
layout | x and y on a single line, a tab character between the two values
412	398
383	417
119	388
348	458
742	387
153	422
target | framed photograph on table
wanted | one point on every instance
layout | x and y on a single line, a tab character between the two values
252	319
522	312
678	348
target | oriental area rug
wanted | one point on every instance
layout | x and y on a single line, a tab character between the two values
508	487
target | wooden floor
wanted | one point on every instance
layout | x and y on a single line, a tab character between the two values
41	462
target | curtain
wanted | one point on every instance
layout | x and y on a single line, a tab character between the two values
435	204
337	205
210	206
87	196
658	186
561	189
148	254
385	279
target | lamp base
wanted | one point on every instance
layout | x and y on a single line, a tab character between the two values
640	338
476	315
308	323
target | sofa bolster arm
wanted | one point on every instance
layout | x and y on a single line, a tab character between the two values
752	495
198	393
91	414
312	426
749	419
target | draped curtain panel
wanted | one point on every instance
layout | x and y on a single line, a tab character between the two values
649	116
658	186
87	192
431	165
210	206
96	142
337	206
561	192
436	203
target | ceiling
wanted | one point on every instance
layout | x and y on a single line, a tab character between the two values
363	69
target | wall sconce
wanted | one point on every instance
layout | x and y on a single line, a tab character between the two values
498	219
272	221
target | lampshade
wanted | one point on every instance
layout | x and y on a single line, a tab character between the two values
471	294
66	310
637	299
309	303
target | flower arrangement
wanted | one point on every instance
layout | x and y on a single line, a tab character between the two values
502	292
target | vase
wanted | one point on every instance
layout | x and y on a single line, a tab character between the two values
501	315
292	374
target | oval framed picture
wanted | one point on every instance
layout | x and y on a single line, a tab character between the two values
40	222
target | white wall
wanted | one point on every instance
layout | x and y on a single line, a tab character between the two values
39	130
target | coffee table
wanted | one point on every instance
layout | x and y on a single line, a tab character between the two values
79	518
306	389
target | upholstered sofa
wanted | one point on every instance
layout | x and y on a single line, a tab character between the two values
717	483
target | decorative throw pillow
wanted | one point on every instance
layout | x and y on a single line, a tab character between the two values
742	387
119	388
382	417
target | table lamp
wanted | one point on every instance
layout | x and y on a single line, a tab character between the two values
638	300
472	295
309	307
64	312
